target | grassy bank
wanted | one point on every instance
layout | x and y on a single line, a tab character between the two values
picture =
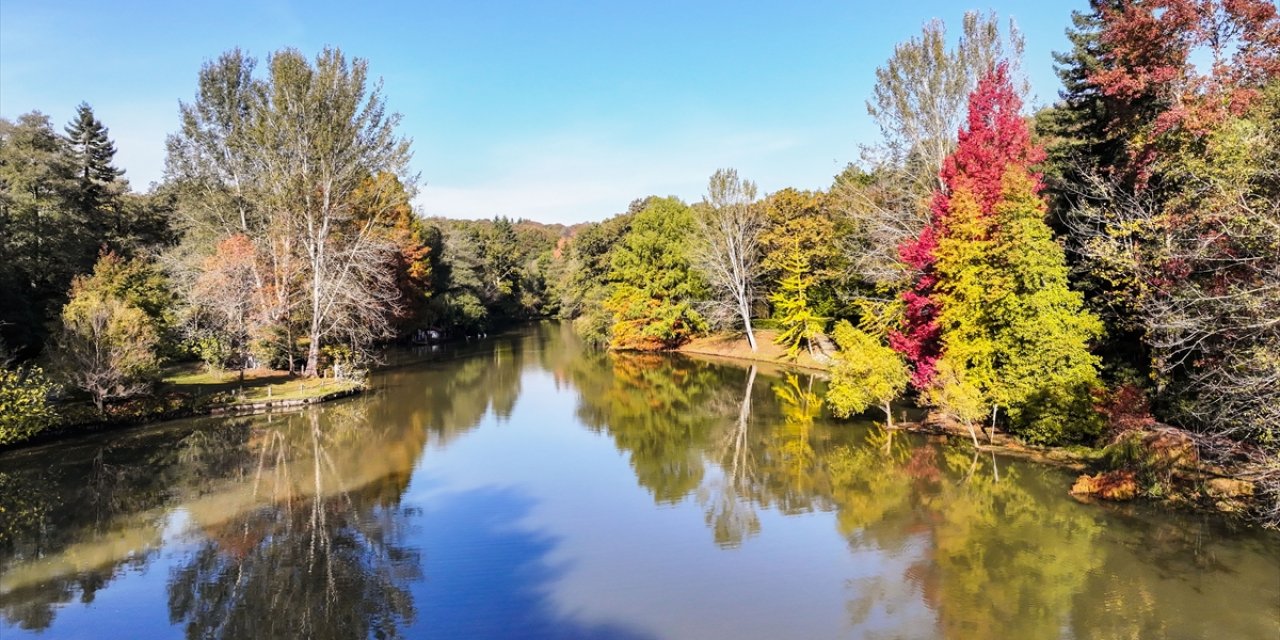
189	390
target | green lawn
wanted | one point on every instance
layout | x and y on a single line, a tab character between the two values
257	385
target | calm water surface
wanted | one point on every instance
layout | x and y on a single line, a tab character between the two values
526	487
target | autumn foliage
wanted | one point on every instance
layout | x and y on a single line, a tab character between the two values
994	141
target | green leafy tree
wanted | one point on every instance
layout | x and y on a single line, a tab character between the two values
1008	318
655	286
865	373
107	346
803	221
24	403
43	235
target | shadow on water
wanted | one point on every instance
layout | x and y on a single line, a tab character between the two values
490	578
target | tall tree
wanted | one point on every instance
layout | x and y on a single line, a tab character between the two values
321	134
918	102
728	249
93	153
791	302
994	140
287	160
43	235
654	284
994	295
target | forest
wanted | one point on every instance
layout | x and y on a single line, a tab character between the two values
1084	273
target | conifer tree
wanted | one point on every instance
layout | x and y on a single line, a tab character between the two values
993	294
994	139
93	153
791	303
655	284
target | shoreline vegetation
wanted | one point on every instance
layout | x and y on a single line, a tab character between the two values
1157	464
187	392
1100	274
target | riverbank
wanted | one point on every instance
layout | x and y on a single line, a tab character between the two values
189	391
735	347
1159	464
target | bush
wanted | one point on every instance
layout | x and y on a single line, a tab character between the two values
24	404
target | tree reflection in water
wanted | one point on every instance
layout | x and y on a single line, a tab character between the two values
339	545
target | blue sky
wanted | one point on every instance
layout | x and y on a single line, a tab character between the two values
559	111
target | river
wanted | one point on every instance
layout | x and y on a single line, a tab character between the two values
524	486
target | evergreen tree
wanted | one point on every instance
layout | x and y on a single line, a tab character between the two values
43	240
93	152
92	149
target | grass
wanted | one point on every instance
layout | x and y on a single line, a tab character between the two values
257	385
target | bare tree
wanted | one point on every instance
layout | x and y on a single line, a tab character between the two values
728	249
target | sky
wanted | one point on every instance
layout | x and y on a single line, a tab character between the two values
556	111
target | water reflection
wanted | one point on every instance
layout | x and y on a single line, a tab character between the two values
340	542
526	486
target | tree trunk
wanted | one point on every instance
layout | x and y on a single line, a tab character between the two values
313	359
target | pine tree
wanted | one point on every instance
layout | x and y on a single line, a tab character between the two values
93	152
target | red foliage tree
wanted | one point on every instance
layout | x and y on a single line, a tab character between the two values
994	138
1148	67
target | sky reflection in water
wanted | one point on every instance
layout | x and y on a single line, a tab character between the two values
526	487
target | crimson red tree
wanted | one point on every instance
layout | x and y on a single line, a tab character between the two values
994	139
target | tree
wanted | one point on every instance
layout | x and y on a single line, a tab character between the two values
290	161
994	140
920	93
993	295
957	397
918	102
654	284
586	285
1147	69
43	238
802	221
107	346
224	301
322	136
93	153
865	373
1169	228
791	304
1010	325
727	249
